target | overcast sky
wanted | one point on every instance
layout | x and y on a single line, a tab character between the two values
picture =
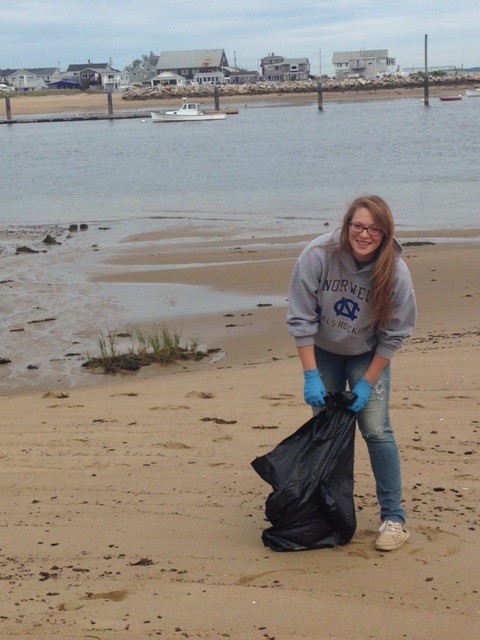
44	33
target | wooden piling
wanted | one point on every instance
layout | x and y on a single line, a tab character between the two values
216	98
425	79
8	108
320	96
110	104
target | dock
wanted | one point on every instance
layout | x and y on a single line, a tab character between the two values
77	117
83	117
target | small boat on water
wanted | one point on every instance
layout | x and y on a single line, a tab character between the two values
450	98
473	94
188	112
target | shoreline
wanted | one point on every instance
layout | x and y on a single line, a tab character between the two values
230	293
81	103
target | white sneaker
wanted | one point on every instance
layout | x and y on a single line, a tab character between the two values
392	535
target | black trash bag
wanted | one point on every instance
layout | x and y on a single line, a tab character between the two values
311	473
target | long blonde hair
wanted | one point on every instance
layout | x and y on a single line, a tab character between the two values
384	267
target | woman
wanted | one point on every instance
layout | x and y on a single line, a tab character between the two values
351	306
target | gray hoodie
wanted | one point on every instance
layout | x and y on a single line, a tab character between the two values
330	304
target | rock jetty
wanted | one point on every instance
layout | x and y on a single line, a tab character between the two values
307	86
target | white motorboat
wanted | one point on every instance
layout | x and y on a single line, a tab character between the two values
473	94
188	112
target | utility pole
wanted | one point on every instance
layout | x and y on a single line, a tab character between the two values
319	83
425	86
234	59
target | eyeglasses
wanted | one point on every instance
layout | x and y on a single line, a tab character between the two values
375	232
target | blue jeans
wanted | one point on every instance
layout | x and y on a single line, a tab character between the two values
374	424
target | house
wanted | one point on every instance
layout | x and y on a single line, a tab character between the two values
189	63
168	79
283	69
88	74
4	73
209	77
114	80
367	63
145	71
242	76
32	79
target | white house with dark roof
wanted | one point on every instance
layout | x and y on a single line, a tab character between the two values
282	69
189	63
168	79
367	63
88	74
32	79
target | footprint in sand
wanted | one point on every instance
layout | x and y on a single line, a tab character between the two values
439	543
360	553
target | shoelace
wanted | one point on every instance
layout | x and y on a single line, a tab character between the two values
391	527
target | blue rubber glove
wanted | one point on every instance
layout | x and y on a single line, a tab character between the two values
362	390
314	391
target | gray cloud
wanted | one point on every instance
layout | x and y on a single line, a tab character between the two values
41	34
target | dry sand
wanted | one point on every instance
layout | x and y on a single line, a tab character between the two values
129	509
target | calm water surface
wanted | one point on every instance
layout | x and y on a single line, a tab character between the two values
265	170
293	166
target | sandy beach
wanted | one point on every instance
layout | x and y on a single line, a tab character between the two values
130	510
28	105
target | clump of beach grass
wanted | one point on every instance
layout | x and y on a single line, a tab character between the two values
159	346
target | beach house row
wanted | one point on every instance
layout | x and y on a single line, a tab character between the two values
79	76
210	66
205	66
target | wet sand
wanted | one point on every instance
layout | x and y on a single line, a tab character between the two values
129	508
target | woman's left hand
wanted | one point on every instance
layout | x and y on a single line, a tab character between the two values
362	390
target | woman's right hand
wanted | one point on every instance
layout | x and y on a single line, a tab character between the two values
314	391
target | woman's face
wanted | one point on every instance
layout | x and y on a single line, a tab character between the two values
364	236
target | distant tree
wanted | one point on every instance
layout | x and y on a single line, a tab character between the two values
136	64
141	63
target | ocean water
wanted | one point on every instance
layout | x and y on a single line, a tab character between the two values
267	171
289	166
